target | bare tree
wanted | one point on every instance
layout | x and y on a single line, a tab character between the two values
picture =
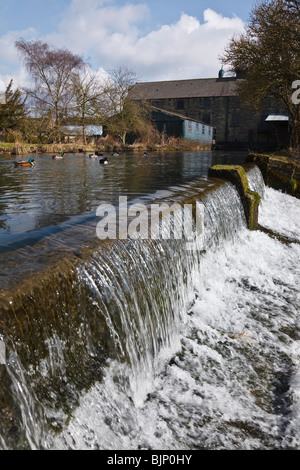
117	86
87	92
51	70
123	115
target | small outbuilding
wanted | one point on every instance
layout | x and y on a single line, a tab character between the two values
178	125
72	134
279	124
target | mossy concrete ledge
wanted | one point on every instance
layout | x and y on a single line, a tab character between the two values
237	176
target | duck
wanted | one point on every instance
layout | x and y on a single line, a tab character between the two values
103	161
93	155
58	156
145	154
115	154
30	162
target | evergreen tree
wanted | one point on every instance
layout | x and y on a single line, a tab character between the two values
12	110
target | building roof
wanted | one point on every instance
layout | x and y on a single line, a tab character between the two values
202	87
77	130
277	117
180	116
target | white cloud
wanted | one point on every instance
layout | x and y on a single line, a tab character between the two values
94	24
113	35
20	76
10	64
2	86
8	52
217	21
186	49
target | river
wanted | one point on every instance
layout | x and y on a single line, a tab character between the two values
201	347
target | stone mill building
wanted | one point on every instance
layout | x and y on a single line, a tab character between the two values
214	102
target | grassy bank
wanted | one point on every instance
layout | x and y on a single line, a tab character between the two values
105	147
6	147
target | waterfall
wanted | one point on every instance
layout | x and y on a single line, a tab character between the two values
224	216
148	344
127	301
142	287
256	181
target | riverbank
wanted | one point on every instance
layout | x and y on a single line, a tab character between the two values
105	147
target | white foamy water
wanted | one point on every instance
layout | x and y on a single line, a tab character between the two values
232	378
281	213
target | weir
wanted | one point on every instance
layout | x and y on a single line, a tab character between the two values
123	301
250	199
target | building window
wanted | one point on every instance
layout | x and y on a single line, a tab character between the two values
234	102
206	103
206	118
189	127
235	120
180	104
209	131
203	129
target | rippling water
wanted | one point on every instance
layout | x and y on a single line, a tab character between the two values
55	194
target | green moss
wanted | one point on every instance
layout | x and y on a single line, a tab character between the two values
293	184
251	203
236	174
256	196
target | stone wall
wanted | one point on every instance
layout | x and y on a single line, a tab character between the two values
236	126
278	172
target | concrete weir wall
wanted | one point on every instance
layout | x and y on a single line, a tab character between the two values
52	320
237	176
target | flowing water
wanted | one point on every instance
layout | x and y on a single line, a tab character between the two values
55	195
181	349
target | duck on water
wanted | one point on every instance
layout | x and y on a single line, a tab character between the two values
56	157
30	162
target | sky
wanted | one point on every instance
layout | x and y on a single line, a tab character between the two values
157	39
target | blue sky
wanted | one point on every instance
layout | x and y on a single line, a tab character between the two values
159	39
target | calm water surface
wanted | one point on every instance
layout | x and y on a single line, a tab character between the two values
58	194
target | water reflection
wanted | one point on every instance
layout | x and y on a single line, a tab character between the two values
40	200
